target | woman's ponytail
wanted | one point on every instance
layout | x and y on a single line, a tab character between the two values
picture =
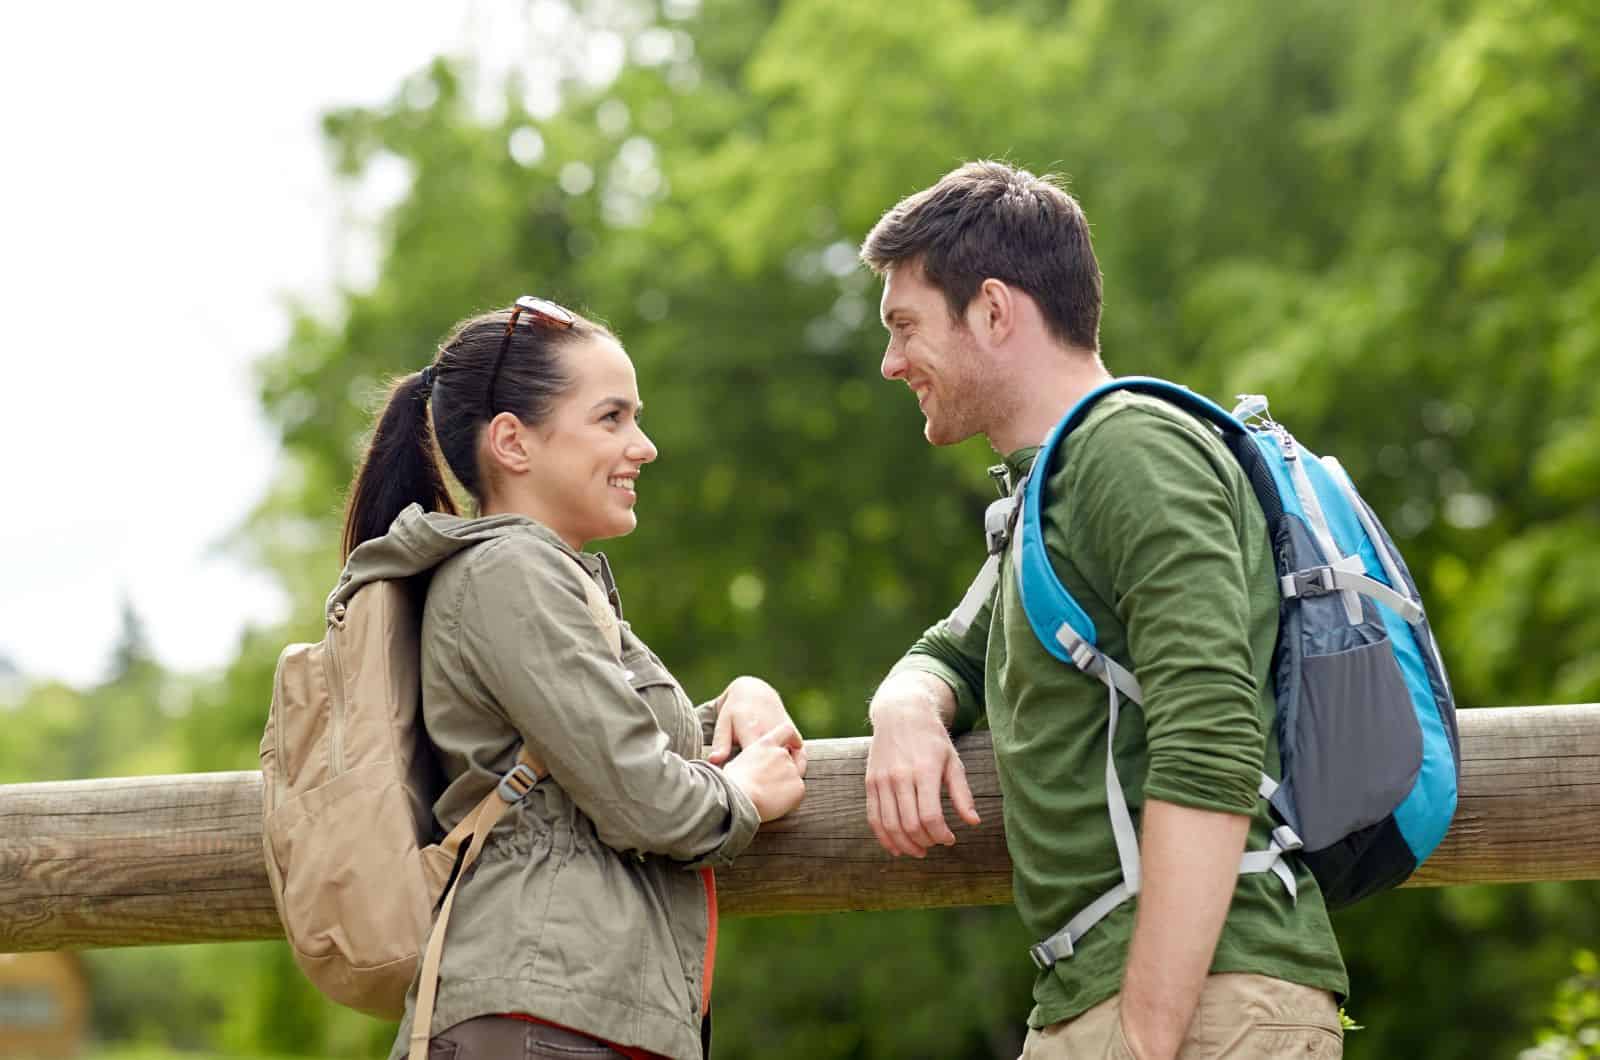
399	468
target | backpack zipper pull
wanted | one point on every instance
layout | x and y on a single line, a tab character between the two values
1250	406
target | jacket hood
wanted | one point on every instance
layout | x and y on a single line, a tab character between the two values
419	541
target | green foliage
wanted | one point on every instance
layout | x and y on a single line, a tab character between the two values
1382	215
873	985
1574	1030
123	726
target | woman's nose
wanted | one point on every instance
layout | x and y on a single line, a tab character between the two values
644	450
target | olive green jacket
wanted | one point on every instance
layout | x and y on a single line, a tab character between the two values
581	909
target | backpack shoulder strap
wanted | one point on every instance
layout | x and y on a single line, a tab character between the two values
601	610
1068	633
478	823
1057	619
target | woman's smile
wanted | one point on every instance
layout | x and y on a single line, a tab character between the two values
627	483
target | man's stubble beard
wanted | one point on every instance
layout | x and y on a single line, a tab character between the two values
976	404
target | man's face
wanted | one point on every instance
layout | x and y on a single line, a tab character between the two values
937	358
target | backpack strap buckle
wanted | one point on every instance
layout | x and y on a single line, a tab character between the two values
515	785
1044	953
998	520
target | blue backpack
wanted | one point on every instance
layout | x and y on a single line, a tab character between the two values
1366	721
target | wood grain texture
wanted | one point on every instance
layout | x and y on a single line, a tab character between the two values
173	859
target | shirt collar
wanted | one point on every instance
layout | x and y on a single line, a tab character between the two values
1006	475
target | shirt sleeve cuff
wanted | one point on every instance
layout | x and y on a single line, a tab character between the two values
1223	792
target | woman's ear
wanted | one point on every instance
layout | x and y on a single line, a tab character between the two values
506	444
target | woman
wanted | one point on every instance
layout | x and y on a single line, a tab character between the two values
584	928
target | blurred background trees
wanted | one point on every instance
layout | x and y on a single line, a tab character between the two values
1383	216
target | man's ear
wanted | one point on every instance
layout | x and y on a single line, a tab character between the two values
506	444
996	306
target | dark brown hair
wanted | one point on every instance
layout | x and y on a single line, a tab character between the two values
991	220
400	467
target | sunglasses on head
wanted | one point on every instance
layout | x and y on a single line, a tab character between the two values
541	311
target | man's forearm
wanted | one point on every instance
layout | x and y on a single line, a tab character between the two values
912	689
1190	862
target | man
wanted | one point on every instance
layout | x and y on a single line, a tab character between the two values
992	302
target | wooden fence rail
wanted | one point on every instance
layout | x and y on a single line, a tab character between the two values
148	860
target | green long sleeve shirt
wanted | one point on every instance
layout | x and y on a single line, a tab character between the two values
1152	527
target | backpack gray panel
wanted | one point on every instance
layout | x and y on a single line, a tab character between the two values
1355	717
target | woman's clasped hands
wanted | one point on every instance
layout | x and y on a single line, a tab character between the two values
770	765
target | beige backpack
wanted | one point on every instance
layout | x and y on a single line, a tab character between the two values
349	780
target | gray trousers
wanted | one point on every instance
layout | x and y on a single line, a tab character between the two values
507	1038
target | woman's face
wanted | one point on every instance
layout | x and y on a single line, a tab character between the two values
587	454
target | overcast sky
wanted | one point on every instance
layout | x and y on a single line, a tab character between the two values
162	187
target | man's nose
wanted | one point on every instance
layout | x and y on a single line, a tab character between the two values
894	365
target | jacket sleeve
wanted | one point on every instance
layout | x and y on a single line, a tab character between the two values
1160	526
957	661
527	633
706	714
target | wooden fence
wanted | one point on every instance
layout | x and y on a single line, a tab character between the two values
147	860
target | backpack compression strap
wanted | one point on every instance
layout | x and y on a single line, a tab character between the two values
477	824
1060	945
1068	633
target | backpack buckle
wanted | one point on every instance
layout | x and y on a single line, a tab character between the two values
1044	953
515	785
997	522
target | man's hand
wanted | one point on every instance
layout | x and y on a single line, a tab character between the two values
1190	861
910	761
750	709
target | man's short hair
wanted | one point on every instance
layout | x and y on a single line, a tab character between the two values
989	219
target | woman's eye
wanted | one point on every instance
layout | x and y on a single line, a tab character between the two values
613	416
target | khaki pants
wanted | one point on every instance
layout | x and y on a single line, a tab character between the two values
1240	1017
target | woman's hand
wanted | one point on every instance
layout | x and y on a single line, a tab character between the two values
766	771
750	710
